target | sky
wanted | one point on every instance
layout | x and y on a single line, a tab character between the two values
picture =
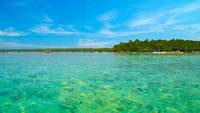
95	23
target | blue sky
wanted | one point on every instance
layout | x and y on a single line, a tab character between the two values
95	23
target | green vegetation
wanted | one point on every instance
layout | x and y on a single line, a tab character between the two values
47	51
173	45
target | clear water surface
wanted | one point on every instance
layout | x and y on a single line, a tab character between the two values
99	83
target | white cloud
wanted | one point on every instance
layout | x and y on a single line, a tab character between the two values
125	33
185	9
164	18
88	43
195	38
116	30
108	16
194	27
15	45
129	33
58	30
152	22
4	45
11	32
179	27
69	27
171	21
22	2
106	30
142	22
47	19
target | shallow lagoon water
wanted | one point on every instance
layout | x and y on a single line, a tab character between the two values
99	83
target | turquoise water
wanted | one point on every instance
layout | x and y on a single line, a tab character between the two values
99	83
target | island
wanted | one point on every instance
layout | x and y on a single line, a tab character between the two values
153	46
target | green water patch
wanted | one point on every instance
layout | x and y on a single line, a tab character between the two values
99	83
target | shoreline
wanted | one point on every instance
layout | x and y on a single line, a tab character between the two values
100	52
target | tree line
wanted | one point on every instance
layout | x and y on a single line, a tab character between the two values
173	45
